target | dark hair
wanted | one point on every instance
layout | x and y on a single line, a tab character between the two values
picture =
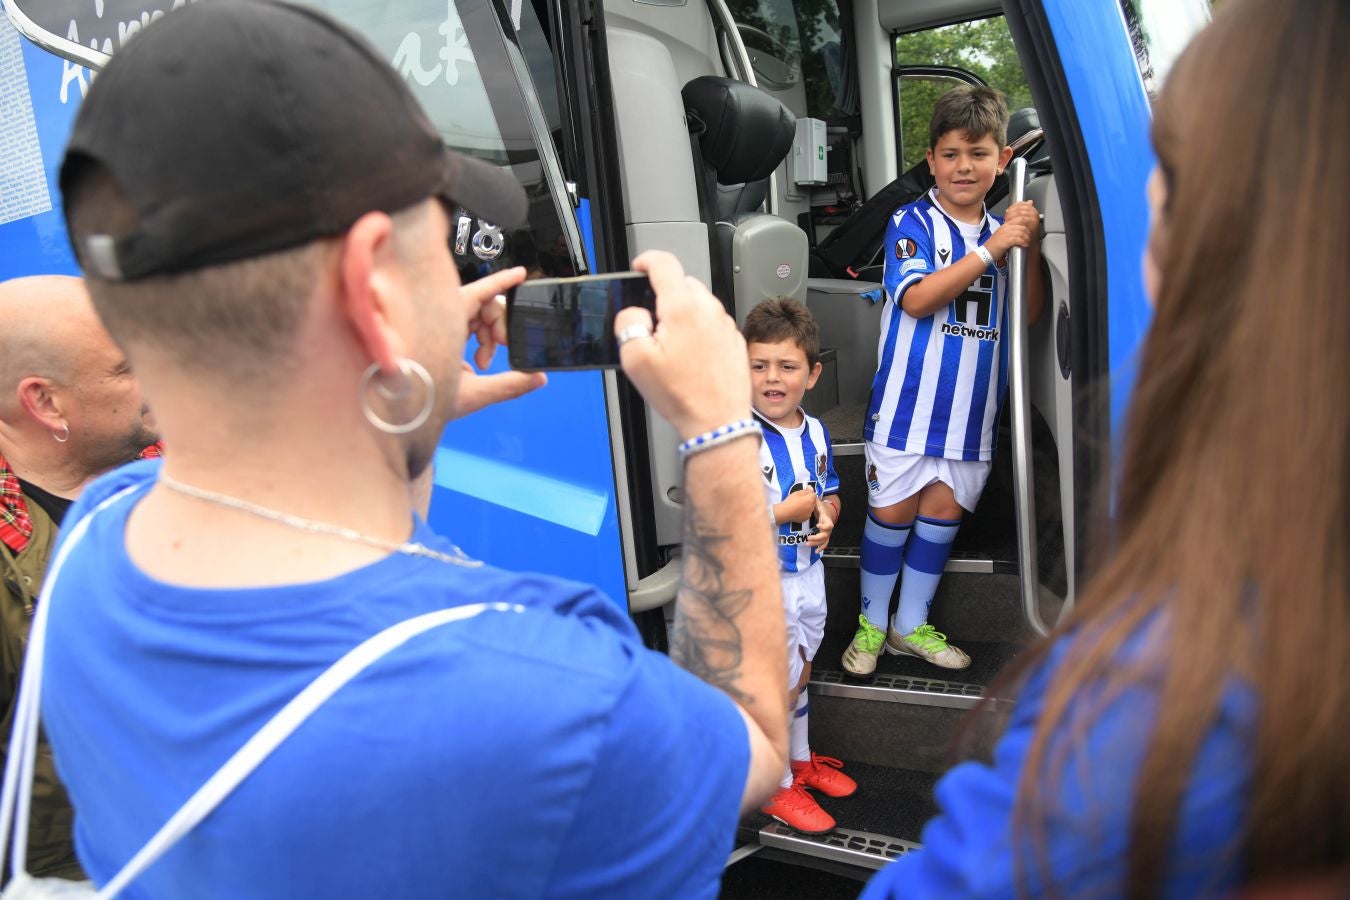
782	319
978	111
1232	516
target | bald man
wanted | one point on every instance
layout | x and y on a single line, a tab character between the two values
69	411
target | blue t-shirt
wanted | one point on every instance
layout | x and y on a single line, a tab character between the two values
543	754
967	849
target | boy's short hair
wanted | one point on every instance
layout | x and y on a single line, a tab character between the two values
782	319
978	111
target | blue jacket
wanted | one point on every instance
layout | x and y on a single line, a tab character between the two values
968	847
507	755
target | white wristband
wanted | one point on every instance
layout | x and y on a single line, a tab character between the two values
985	256
710	439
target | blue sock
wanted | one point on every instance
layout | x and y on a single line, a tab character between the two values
925	558
883	549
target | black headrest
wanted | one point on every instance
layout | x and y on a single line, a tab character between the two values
745	134
1023	121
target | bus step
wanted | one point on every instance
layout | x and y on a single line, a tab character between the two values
843	845
908	679
897	689
971	608
878	823
848	557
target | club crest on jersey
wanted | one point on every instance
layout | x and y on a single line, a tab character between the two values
822	467
873	484
905	248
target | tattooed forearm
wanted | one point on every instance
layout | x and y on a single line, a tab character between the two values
707	638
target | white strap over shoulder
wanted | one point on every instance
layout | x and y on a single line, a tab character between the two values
23	739
19	766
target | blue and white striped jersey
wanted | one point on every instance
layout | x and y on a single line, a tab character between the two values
941	379
796	459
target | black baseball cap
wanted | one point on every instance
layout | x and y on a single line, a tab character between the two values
236	128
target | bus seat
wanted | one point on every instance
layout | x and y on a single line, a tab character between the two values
848	313
739	134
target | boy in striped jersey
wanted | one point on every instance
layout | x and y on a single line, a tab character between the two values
802	491
941	374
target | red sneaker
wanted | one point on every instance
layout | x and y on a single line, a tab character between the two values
822	774
794	807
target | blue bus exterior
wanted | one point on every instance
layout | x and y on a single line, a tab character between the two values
527	485
1114	119
531	484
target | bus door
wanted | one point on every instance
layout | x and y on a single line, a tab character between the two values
527	485
1077	75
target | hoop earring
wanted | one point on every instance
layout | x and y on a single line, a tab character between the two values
62	440
408	367
403	391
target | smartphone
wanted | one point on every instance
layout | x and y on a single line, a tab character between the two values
568	323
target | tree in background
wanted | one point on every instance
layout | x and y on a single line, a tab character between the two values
984	48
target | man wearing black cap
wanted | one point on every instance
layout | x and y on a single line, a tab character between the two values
280	277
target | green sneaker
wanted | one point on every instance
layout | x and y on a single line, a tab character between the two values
926	642
861	656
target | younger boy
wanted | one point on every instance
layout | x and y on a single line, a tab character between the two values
941	374
803	495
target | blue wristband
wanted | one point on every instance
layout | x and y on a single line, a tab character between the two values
710	439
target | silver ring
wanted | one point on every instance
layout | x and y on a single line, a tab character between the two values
632	333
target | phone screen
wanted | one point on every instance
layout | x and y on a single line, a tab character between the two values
568	323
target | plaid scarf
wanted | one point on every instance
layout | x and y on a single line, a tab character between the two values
15	525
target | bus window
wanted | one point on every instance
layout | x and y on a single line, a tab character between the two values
442	48
831	90
769	30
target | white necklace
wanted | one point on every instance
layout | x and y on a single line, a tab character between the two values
411	548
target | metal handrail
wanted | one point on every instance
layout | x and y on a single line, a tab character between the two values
1019	388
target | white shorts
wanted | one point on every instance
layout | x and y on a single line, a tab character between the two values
804	609
895	475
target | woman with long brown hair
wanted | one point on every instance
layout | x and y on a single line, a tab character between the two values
1187	732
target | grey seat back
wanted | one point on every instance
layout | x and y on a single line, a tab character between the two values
739	135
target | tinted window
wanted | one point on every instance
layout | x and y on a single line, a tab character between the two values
468	71
769	30
478	90
831	93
